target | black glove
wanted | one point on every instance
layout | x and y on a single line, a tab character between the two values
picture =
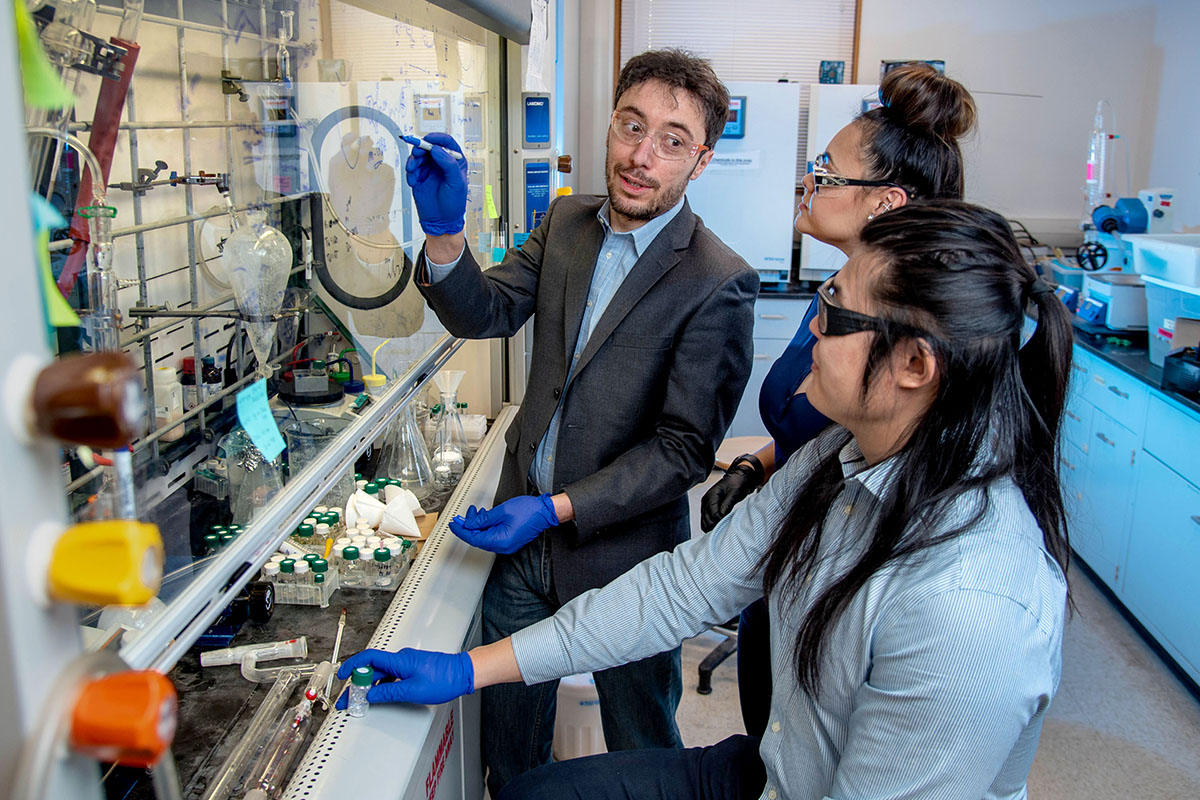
744	475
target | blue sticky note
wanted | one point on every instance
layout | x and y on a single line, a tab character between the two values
254	413
519	238
497	254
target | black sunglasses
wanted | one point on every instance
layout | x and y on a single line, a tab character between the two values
833	320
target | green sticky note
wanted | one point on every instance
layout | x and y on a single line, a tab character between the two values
489	202
254	414
43	88
46	217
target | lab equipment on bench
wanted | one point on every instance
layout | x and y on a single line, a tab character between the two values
263	651
1172	257
1127	215
1095	168
451	453
1114	300
1166	303
1181	371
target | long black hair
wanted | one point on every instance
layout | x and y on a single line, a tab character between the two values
952	270
912	139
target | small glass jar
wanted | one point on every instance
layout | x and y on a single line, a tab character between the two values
350	571
360	683
385	573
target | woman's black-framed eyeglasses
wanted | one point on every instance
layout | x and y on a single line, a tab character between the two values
833	320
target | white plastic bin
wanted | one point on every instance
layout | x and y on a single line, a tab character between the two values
577	728
1165	301
1172	257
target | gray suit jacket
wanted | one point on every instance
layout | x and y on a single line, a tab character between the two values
654	390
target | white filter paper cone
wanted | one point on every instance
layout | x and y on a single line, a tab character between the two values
392	492
398	519
366	507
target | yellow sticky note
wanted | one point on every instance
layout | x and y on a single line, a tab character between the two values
490	202
43	88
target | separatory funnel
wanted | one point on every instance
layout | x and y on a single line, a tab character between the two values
450	451
260	260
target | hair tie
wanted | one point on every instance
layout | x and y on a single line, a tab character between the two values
1038	287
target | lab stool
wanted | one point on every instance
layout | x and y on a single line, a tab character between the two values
717	655
577	728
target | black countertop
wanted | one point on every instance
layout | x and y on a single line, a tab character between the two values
217	703
1132	360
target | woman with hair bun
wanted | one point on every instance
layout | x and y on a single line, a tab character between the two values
906	149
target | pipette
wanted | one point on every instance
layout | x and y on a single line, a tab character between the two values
337	645
424	145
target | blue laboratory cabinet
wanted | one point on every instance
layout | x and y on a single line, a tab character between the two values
1130	460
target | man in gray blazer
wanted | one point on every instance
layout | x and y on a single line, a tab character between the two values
642	346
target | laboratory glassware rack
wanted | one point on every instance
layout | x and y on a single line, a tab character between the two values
147	332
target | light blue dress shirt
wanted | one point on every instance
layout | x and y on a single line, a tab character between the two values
619	252
937	675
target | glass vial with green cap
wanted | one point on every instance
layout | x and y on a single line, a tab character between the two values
351	569
360	683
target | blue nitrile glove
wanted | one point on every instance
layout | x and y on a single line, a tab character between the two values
439	184
424	677
509	526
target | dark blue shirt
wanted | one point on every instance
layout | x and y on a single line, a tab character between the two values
790	418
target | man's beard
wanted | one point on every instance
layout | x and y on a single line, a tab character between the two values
662	202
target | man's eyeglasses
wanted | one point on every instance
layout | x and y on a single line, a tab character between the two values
833	320
669	145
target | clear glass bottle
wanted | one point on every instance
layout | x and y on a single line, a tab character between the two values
271	573
302	583
350	571
360	683
385	573
287	576
321	534
320	571
304	533
212	543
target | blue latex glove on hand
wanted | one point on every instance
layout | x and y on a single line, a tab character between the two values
439	184
509	526
424	677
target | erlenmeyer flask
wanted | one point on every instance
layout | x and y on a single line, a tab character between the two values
406	458
450	452
260	480
260	260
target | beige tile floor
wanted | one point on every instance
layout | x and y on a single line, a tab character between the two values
1122	725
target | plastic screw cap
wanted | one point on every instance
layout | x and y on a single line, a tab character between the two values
113	562
128	717
363	676
93	399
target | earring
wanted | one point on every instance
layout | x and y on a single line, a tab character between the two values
870	217
887	206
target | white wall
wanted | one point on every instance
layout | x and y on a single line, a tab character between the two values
1036	70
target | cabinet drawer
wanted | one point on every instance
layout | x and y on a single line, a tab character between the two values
1117	393
778	317
747	421
1077	421
1164	560
1172	434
